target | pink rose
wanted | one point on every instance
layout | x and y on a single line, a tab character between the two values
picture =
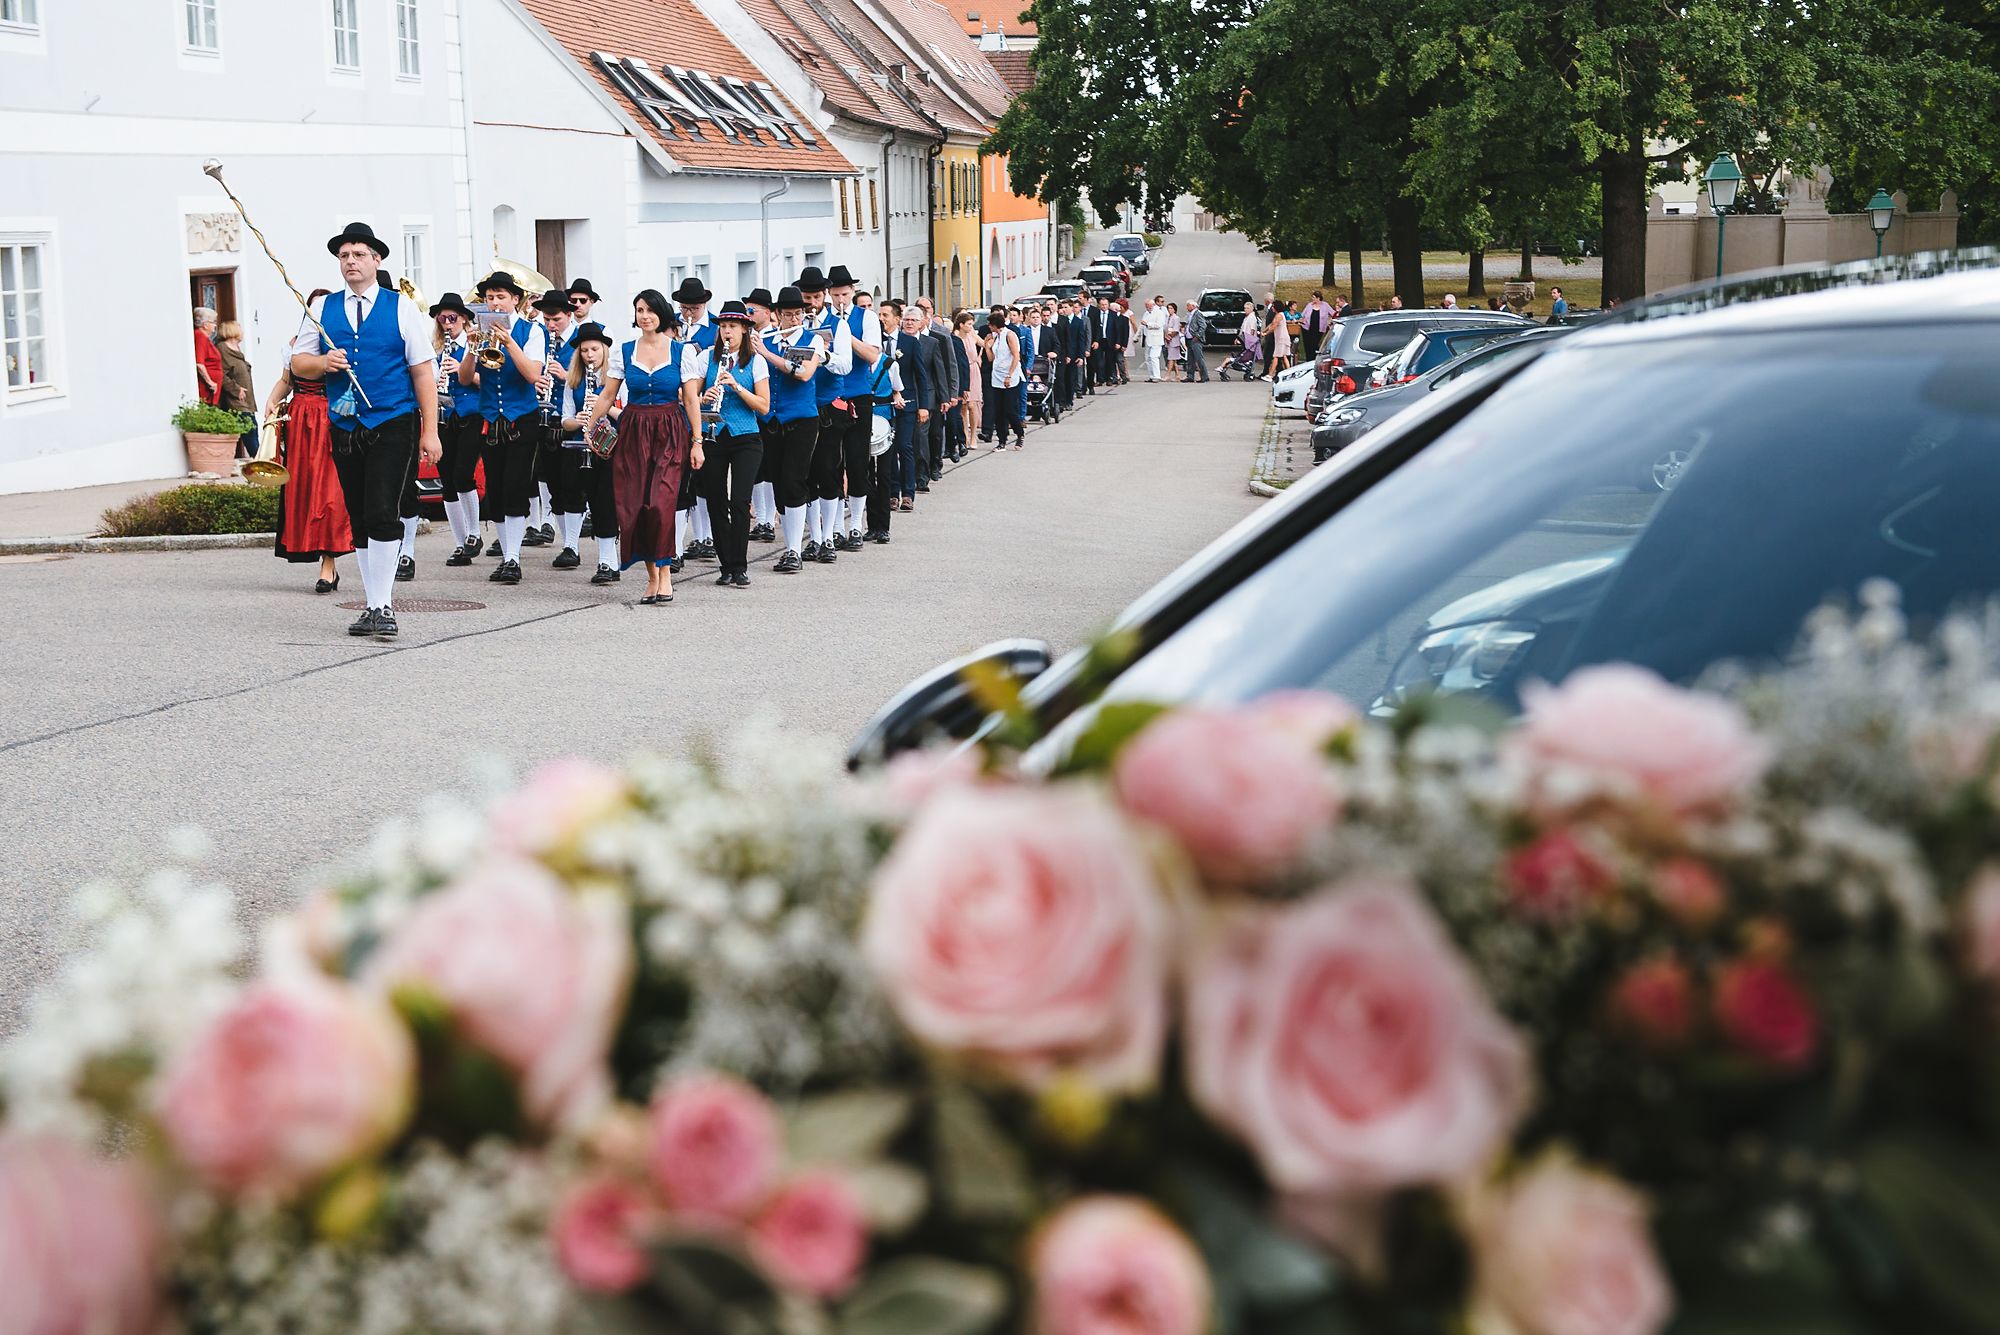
1244	798
1108	1265
1654	1001
558	802
1557	876
80	1245
1624	727
1561	1250
1764	1012
531	973
1312	717
1982	925
812	1236
715	1147
297	1078
1023	927
1344	1038
1689	891
596	1233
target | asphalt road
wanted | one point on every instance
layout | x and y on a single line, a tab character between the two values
147	692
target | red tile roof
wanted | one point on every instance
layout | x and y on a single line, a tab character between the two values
1012	67
980	19
942	44
861	26
840	67
673	32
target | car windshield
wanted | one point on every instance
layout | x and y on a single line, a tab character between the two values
1484	359
1126	245
1227	303
1674	503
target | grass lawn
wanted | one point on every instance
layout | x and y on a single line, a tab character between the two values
1583	293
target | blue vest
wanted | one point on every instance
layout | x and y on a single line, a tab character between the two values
826	385
460	400
506	392
737	418
791	397
861	375
661	386
704	336
376	355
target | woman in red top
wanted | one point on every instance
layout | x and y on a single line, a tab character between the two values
207	357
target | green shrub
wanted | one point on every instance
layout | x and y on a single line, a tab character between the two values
1153	240
194	509
206	417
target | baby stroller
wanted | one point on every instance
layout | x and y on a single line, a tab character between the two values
1040	390
1242	361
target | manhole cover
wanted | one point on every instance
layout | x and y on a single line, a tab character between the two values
423	605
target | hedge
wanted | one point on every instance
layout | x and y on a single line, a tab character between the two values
194	509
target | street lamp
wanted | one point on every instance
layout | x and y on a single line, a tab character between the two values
1881	212
1723	180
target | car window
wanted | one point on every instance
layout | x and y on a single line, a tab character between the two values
1442	347
1405	361
1386	335
1485	359
1534	536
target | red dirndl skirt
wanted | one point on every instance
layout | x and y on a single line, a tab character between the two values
312	513
646	466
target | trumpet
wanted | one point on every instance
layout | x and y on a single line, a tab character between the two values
491	349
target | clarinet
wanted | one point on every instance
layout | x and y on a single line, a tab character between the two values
549	408
589	397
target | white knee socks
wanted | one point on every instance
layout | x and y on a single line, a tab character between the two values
794	520
683	531
703	530
607	552
857	507
378	570
468	505
454	514
538	505
512	528
410	538
571	528
763	503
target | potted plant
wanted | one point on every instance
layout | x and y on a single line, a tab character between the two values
210	434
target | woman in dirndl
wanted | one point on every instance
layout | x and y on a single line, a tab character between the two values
659	438
312	513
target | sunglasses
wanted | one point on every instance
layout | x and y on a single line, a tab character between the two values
579	301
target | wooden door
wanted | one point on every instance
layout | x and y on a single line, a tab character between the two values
215	289
550	260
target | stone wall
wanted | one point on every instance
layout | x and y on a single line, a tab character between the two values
1680	248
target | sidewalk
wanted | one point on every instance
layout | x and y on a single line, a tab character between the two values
73	513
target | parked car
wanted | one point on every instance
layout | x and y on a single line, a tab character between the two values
1064	289
1131	247
1352	418
1433	348
1222	307
1127	280
1100	281
1290	387
1356	343
1462	550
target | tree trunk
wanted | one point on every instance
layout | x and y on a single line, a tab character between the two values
1527	258
1406	248
1329	267
1623	175
1475	273
1356	287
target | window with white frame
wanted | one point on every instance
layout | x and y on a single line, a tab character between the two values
200	26
701	271
409	61
21	13
347	34
676	275
417	254
24	314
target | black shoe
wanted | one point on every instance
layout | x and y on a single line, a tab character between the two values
473	547
788	563
811	552
881	536
854	540
937	475
532	537
838	542
406	569
922	487
741	579
649	600
678	564
605	575
548	534
827	554
385	624
567	559
327	585
507	572
364	624
459	557
726	578
589	529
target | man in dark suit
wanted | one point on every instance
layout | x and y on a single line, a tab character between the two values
1100	343
1075	352
913	404
1119	330
941	371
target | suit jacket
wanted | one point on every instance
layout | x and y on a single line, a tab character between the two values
938	368
1034	343
916	384
1100	325
1119	332
1079	335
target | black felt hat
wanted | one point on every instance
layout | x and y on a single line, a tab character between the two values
592	332
502	280
581	288
691	292
839	277
811	279
551	302
362	232
759	296
451	301
735	310
789	299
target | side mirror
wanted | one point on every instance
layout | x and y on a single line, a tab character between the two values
940	703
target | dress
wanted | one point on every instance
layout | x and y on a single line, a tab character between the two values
650	459
1281	338
1176	345
312	512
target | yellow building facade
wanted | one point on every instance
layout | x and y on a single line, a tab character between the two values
957	278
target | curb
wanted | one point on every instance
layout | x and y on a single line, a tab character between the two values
1264	462
183	542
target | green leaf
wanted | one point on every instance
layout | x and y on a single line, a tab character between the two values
981	1174
850	1127
1266	1267
713	1288
1941	1202
921	1295
893	1195
1115	725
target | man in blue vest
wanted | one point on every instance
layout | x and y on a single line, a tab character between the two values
696	530
855	408
764	496
508	402
560	470
374	349
836	348
794	355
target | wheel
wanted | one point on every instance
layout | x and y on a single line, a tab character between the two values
1666	471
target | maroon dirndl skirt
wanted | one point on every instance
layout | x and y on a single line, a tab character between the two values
312	513
646	469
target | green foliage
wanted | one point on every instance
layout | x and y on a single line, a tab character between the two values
1153	240
194	509
981	1173
708	1286
204	418
921	1295
1941	1202
1116	724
